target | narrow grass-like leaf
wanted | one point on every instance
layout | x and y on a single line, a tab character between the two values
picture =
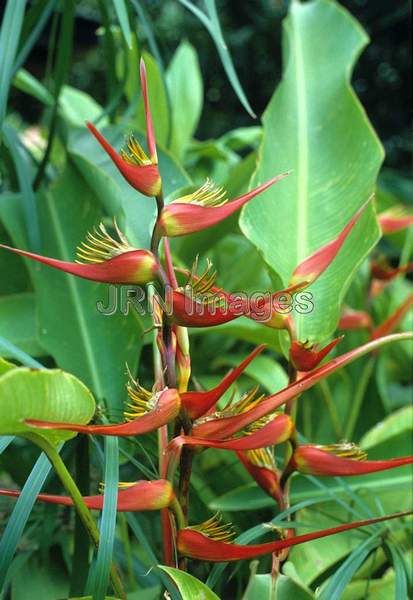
108	522
21	513
343	575
22	167
35	21
212	24
9	39
18	354
399	570
122	14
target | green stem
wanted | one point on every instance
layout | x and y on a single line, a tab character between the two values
82	510
358	398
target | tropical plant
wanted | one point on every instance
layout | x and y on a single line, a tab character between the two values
291	214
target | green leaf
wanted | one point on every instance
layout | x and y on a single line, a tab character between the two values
19	323
108	523
189	587
9	38
25	82
263	369
91	345
186	92
77	107
21	512
315	126
6	366
399	422
43	395
122	14
211	21
10	350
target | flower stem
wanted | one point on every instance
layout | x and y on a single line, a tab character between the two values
81	508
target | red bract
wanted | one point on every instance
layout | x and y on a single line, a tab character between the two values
306	357
139	496
199	403
139	171
260	464
354	319
204	208
394	219
194	543
162	408
384	272
393	320
276	431
323	460
135	267
216	428
313	266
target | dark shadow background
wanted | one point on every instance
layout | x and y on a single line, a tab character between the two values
253	33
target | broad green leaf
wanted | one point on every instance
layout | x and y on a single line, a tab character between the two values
84	341
5	366
315	126
46	580
19	322
189	587
186	92
77	107
25	82
261	586
43	395
391	427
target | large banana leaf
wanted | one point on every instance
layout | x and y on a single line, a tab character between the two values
315	126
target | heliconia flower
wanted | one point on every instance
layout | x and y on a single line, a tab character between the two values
313	266
306	356
354	319
265	432
218	427
211	541
262	467
384	272
199	403
393	320
199	303
136	167
106	260
145	412
204	208
132	497
394	219
340	460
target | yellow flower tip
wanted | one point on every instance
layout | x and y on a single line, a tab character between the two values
142	400
215	530
208	195
134	154
347	450
100	246
262	457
